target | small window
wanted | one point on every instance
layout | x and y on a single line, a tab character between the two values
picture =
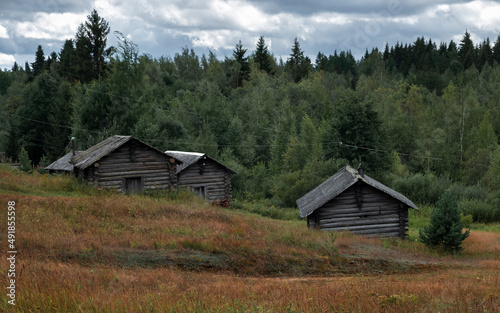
133	185
200	191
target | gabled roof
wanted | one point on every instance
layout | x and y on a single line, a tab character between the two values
62	164
189	158
338	183
93	154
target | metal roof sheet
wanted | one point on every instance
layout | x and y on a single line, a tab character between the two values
62	164
189	158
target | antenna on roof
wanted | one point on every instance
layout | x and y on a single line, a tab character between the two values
361	171
73	145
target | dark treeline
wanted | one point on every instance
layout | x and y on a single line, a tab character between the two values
421	117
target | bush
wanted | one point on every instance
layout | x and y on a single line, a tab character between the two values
476	192
445	228
481	211
422	188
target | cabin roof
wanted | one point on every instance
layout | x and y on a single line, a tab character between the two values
93	154
63	163
338	183
189	158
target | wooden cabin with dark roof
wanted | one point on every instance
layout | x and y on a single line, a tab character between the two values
350	200
126	164
205	176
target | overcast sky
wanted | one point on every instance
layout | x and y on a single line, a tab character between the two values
163	27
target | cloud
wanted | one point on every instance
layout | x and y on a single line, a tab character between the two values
161	28
3	32
484	15
6	60
58	26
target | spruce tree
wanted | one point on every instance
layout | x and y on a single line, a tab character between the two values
91	52
263	57
467	52
496	50
97	30
445	228
298	65
39	63
244	72
67	58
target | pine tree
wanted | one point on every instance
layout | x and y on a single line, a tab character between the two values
244	72
15	67
467	52
91	52
83	60
321	62
97	30
25	161
263	57
39	63
485	55
445	228
496	50
51	63
67	60
298	65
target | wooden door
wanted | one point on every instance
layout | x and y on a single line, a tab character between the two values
133	185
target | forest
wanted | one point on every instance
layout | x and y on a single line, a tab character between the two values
421	117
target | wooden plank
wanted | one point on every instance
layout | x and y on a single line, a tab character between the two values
360	222
359	217
134	173
363	227
354	211
152	163
119	177
368	206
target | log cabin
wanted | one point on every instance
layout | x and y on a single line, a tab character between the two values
350	200
126	164
204	175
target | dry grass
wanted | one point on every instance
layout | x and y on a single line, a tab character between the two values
54	286
104	252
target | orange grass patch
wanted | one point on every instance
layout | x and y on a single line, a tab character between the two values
480	242
108	252
54	286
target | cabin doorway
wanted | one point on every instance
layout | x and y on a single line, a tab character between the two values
133	185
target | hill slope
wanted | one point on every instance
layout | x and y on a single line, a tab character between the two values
81	249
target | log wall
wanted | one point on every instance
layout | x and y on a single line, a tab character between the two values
133	160
362	209
212	176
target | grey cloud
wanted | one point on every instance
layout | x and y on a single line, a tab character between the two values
162	28
355	7
47	6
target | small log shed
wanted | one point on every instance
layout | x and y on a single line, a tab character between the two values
204	175
125	164
350	200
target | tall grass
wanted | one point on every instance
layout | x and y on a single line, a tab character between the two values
53	286
94	251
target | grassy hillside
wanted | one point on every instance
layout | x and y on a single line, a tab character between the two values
85	250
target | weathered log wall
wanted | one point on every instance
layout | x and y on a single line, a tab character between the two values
362	209
212	176
133	160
